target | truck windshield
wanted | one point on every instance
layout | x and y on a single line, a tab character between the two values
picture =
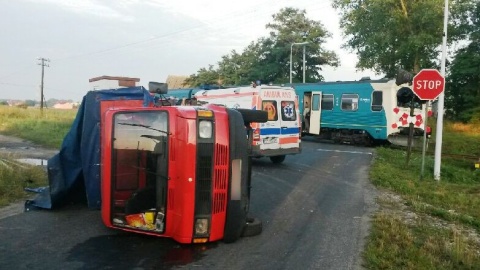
139	162
140	130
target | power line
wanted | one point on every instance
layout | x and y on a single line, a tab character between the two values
16	72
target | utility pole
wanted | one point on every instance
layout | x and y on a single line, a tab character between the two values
303	63
441	100
304	39
44	63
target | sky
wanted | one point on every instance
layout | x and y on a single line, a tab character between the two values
146	39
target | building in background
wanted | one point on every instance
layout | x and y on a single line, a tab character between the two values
65	105
112	82
176	82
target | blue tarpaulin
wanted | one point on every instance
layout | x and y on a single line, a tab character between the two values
76	168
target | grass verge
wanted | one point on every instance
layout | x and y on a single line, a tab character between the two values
16	176
433	224
46	129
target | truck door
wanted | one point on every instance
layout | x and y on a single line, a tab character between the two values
315	112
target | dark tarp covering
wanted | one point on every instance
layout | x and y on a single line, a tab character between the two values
75	170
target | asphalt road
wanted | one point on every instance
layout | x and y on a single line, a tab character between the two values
315	209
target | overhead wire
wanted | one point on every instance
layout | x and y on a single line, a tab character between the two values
242	24
237	18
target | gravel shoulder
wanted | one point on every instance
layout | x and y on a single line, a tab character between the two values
20	148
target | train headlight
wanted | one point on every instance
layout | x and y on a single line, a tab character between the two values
205	129
201	226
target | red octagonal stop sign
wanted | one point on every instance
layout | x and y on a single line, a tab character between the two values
428	84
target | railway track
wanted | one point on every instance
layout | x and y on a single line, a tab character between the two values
474	158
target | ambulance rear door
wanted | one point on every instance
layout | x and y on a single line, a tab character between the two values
289	120
282	129
270	131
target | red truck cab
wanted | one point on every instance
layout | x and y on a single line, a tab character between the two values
182	172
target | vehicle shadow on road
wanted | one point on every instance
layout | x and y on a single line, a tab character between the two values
130	251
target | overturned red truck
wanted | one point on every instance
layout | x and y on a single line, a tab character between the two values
172	171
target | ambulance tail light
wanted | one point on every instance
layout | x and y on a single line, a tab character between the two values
256	135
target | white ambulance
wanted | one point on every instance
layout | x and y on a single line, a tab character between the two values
278	137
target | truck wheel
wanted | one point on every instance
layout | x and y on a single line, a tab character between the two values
277	159
235	221
253	116
252	228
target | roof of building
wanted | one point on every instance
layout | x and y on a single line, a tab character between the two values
113	78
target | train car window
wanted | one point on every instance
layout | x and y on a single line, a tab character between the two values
377	101
327	102
349	102
316	103
288	111
270	106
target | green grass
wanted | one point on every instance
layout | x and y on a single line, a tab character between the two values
396	245
395	242
47	128
15	176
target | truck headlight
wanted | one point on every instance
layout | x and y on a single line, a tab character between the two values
205	129
201	226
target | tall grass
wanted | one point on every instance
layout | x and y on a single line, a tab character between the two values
16	176
47	128
459	138
394	244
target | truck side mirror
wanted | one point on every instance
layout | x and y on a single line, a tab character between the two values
251	116
158	88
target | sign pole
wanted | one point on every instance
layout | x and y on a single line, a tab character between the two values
427	105
428	85
410	133
441	98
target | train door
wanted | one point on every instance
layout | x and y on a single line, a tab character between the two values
315	112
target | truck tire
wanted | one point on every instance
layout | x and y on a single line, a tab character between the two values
235	221
277	159
253	116
236	212
252	228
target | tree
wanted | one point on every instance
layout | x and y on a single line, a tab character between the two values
292	26
463	83
240	69
388	34
268	58
30	103
204	77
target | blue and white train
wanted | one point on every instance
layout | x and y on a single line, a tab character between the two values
361	112
357	112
